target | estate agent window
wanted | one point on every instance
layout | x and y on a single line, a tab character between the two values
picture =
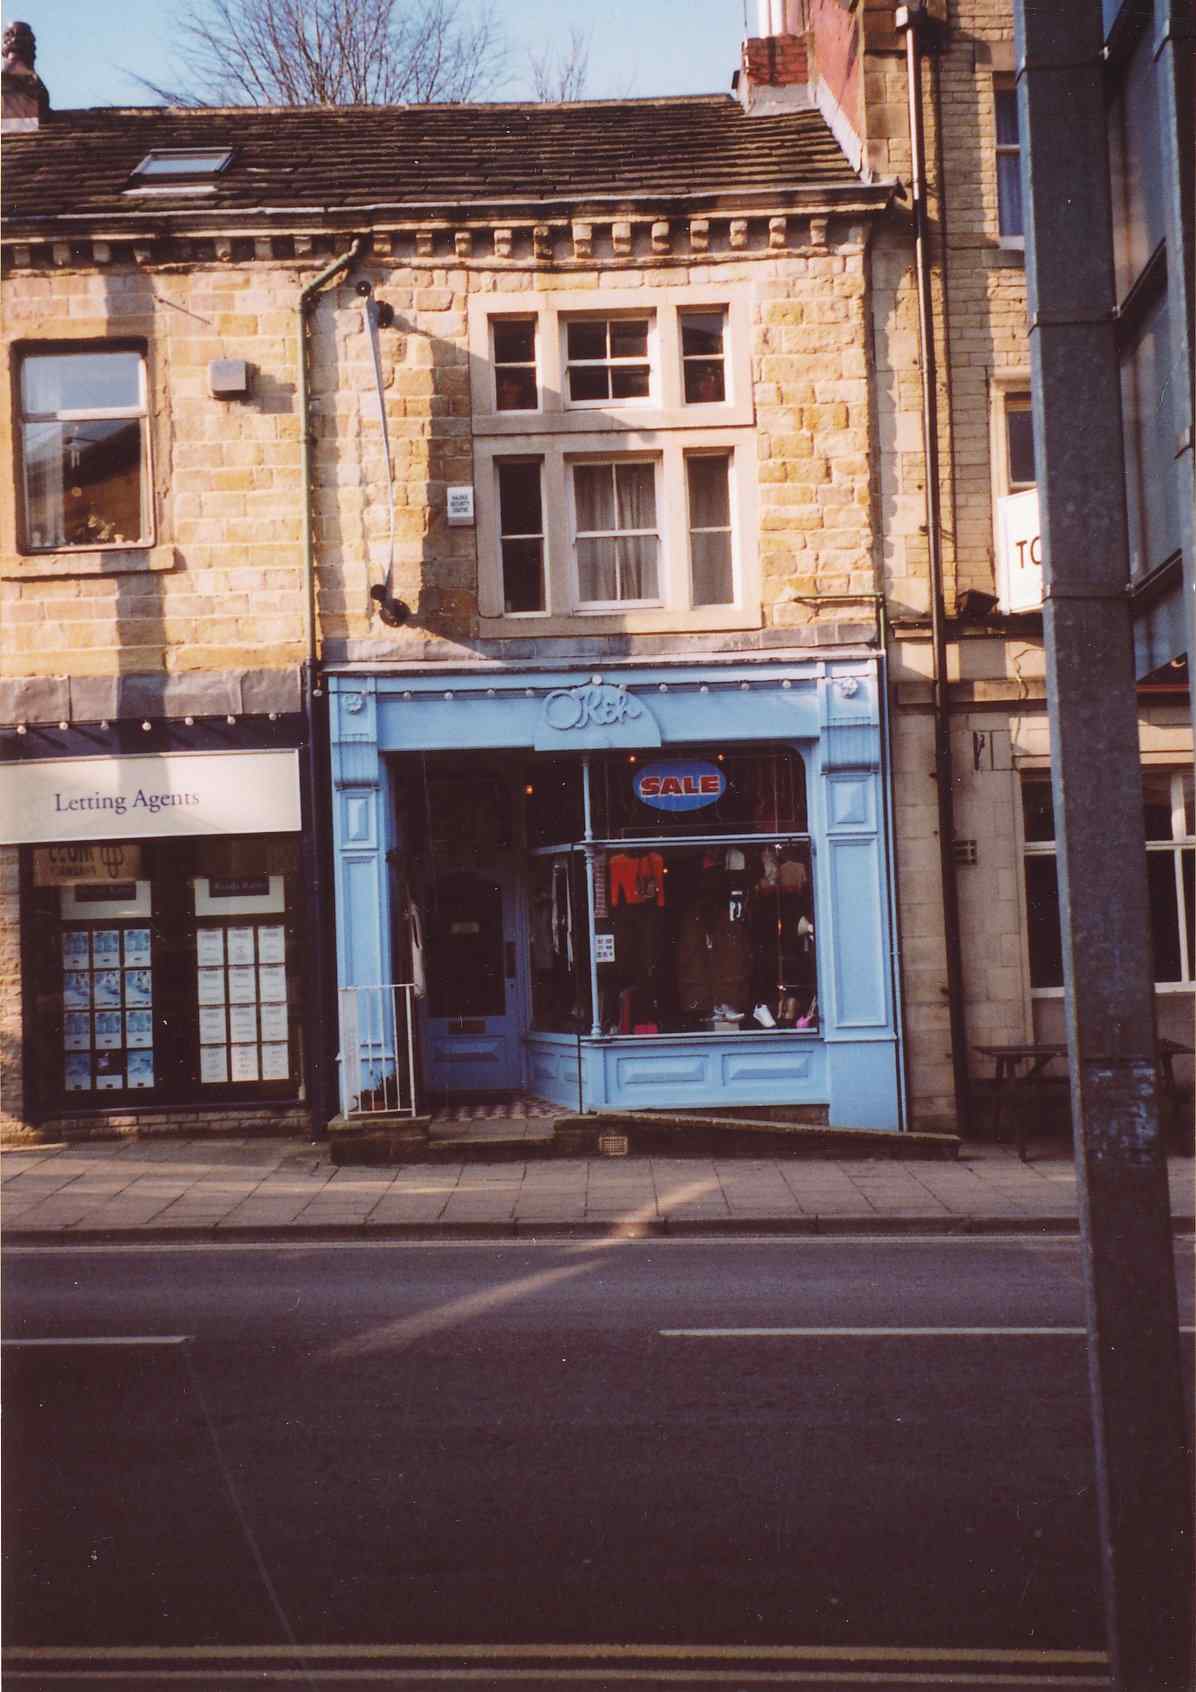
84	448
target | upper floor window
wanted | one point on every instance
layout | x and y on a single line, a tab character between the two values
616	536
521	531
516	387
1009	161
84	448
1019	443
703	358
608	359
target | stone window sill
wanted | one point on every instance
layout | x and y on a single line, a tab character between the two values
106	561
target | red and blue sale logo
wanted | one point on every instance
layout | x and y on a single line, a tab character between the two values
680	786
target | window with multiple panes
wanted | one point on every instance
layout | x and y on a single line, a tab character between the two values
521	528
615	534
607	359
513	342
1170	827
616	456
1009	160
84	448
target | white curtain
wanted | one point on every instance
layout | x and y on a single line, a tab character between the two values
617	543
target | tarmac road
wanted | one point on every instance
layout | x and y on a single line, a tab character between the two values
734	1462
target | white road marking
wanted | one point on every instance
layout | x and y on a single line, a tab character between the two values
104	1339
878	1333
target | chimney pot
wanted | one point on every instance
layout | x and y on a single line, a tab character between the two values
24	101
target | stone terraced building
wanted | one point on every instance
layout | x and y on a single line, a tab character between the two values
471	618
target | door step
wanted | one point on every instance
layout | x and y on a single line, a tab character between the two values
616	1134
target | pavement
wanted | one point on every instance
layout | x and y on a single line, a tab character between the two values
189	1190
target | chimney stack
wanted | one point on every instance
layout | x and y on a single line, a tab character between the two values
24	101
774	76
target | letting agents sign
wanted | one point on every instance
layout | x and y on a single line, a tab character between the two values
149	796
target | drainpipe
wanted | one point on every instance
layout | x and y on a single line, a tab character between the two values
317	836
910	19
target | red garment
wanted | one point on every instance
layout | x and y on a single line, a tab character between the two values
639	879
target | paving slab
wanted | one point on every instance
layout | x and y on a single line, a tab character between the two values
126	1189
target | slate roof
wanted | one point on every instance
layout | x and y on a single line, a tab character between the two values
335	160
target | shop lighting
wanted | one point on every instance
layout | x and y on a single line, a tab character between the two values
231	721
146	727
21	729
104	722
64	727
190	722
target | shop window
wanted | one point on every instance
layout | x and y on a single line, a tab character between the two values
706	939
513	342
1010	224
553	804
521	536
608	359
84	448
559	943
711	536
703	356
708	792
616	539
1170	829
181	986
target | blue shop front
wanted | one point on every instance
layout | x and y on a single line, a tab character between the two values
655	886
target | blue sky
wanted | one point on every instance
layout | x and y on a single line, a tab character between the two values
87	48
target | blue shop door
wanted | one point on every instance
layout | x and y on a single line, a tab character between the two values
473	1022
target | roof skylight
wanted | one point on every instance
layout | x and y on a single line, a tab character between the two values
171	164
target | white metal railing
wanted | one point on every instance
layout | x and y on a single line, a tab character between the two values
377	1054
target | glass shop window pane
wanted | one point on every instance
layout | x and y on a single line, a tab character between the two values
761	792
553	803
700	939
1148	418
559	944
1042	917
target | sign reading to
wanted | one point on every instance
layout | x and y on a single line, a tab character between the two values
1019	556
680	786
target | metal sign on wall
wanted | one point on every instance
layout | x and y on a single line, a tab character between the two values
149	796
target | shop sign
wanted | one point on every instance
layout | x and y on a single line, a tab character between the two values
69	866
680	786
149	796
595	715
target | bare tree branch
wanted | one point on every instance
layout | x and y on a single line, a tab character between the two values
334	52
561	72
